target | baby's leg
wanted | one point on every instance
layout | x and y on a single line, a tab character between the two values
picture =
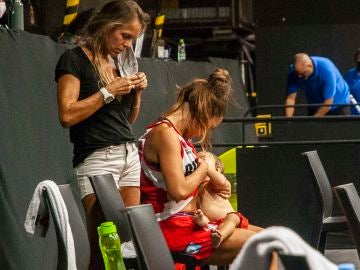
225	229
200	219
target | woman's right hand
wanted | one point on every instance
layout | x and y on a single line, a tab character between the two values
203	167
120	86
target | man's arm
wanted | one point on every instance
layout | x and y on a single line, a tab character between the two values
323	110
290	100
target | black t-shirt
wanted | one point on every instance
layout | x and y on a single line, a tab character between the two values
107	126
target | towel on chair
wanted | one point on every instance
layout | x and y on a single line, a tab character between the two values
256	253
60	213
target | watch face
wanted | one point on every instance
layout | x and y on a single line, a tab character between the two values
109	99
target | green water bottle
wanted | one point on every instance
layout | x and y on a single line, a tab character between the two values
16	15
181	51
110	246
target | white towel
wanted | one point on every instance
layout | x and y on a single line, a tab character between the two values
139	44
127	63
256	252
354	101
128	249
60	212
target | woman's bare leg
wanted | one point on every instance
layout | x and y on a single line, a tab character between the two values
229	248
255	228
130	195
94	218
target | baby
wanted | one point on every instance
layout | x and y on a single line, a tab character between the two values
214	207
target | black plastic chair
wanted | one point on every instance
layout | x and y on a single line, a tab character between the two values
350	203
150	244
293	262
329	223
111	203
112	207
81	241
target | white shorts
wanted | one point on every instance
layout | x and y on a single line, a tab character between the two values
122	161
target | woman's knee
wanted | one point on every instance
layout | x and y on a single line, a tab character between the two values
255	228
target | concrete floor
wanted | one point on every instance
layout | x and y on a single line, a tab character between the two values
338	256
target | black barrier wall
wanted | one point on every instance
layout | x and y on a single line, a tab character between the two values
34	146
275	184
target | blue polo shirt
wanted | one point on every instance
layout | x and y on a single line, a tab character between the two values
324	83
352	77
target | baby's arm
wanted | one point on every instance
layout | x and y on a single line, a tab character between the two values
218	183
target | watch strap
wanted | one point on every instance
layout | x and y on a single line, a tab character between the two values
108	97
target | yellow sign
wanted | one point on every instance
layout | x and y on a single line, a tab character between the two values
263	129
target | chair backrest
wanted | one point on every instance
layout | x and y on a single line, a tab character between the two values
322	181
350	203
111	203
150	244
81	241
294	262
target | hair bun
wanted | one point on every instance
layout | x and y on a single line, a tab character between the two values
220	82
220	74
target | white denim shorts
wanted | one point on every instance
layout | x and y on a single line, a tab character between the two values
122	161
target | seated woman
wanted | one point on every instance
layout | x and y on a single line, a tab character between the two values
172	172
214	206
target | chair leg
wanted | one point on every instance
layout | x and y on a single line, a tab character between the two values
322	242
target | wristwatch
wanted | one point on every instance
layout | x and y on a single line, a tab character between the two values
108	97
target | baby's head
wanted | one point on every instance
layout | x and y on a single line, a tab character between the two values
213	160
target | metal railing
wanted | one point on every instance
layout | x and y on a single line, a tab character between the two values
274	119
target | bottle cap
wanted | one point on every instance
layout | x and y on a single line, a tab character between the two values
106	228
346	266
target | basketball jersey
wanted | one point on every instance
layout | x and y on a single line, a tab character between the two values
152	184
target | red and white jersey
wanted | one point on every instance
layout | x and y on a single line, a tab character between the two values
152	184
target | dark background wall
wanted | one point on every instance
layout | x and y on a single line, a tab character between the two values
326	28
276	186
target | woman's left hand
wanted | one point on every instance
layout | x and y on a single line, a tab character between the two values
139	81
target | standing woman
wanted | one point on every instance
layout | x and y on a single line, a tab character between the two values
99	96
171	170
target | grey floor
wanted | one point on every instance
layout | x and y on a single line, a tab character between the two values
338	256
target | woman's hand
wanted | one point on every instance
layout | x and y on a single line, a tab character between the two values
139	81
203	166
121	86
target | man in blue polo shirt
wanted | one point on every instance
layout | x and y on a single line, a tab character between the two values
352	77
322	83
